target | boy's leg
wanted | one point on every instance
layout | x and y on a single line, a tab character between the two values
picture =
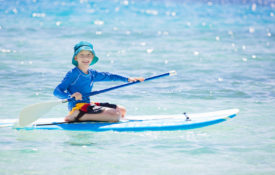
107	115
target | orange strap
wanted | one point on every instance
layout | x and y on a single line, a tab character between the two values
80	106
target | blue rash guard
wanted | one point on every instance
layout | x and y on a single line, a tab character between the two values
77	81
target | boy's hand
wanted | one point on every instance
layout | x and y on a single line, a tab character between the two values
77	96
134	79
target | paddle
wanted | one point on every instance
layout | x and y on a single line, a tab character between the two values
31	113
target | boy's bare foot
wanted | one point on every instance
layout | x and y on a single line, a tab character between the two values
71	117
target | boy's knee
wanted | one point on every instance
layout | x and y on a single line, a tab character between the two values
115	114
122	109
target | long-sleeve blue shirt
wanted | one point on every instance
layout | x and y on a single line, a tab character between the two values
77	81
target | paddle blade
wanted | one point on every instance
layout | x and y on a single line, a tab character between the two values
33	112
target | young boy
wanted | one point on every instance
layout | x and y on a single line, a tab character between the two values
79	81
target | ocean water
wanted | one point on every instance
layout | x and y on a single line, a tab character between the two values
222	50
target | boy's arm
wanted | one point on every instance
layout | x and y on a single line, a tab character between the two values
60	90
106	76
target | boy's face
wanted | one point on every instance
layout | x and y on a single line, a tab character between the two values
84	58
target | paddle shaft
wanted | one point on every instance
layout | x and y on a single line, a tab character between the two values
124	85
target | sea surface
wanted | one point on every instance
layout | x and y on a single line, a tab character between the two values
224	55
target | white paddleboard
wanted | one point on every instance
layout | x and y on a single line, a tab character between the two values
132	123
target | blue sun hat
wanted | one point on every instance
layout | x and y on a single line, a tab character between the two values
84	45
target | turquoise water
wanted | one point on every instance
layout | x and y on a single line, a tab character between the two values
223	52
